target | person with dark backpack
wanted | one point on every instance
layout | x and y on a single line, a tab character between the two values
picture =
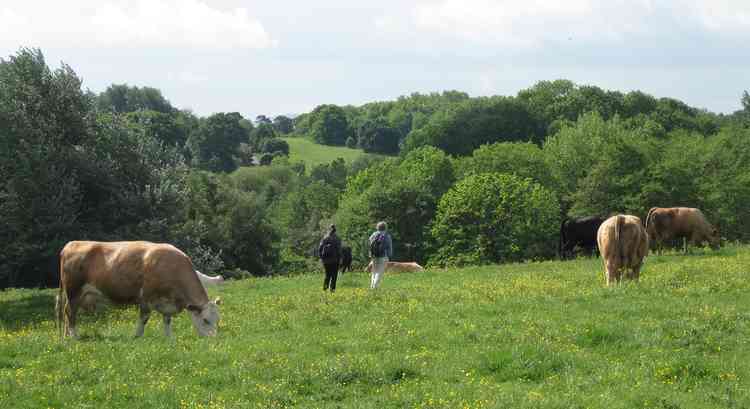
330	255
381	250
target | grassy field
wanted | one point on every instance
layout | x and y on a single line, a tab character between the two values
534	335
301	149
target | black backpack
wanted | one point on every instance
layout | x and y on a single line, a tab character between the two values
377	246
328	251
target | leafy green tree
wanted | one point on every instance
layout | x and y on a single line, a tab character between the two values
215	143
329	125
166	128
273	145
123	98
260	134
461	128
615	182
404	192
333	174
283	124
377	136
491	218
523	159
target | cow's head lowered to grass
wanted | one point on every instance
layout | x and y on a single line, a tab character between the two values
206	318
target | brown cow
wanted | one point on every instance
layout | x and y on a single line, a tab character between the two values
623	243
663	224
153	276
398	267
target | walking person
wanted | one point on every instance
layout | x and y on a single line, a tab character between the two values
381	250
330	255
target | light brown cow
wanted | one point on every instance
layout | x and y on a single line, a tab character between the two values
398	267
153	276
623	243
670	223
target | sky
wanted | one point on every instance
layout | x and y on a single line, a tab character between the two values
276	57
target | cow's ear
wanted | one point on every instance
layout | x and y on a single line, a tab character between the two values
217	301
194	308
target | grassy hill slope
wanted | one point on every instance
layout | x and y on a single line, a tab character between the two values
302	149
535	335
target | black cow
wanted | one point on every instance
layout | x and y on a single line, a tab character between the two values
579	232
346	258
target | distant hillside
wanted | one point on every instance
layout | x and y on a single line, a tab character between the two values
301	149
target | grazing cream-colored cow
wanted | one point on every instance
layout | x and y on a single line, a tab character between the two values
623	243
153	276
398	267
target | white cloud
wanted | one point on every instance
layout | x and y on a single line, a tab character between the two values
524	23
722	15
140	23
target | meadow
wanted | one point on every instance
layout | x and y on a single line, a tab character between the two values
530	335
304	150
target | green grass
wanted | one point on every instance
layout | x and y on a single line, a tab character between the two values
533	335
304	150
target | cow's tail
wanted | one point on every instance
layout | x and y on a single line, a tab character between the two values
562	239
649	216
61	304
619	243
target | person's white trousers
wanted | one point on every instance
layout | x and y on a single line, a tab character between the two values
378	269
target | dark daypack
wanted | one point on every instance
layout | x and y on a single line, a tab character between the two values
328	252
377	246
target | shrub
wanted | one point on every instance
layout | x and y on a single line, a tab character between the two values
492	218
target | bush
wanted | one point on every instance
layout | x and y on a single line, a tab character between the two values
493	217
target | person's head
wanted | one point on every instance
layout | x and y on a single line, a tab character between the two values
381	226
331	229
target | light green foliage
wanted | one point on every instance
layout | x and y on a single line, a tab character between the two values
531	335
523	159
492	217
402	192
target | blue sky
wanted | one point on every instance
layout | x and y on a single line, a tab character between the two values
286	57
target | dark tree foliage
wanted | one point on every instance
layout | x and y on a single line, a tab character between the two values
377	137
283	124
328	125
123	98
261	134
172	128
215	143
273	145
460	129
66	174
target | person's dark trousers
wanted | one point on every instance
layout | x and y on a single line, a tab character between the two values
332	272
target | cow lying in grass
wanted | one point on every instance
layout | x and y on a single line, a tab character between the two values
398	267
151	275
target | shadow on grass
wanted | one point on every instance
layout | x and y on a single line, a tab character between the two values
33	308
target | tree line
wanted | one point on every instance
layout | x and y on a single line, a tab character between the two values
469	180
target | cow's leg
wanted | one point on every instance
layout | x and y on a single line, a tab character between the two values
611	273
167	325
72	312
145	313
636	272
